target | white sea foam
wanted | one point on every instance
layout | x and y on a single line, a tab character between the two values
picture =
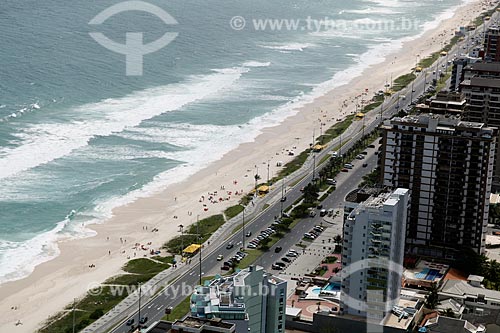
288	47
19	259
256	64
43	143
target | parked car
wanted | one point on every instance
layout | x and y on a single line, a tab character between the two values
371	146
331	181
365	165
225	268
330	212
322	212
345	170
291	254
312	213
285	259
276	267
281	264
348	166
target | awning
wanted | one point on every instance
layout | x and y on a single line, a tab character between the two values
193	248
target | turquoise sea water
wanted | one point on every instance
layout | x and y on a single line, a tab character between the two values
79	137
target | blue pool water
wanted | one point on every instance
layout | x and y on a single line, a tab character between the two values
332	286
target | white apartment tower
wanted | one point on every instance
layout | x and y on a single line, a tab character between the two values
372	254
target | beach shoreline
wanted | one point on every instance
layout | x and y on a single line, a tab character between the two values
68	275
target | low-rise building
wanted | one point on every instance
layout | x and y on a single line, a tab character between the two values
251	298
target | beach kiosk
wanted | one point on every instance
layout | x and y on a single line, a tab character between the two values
318	148
360	116
263	190
191	250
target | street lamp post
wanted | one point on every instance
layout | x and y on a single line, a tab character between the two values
282	196
243	228
139	319
181	227
199	239
74	301
268	172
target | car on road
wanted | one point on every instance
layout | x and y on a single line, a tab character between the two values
285	259
276	267
365	165
220	257
130	322
248	234
330	212
312	213
348	166
278	249
143	320
229	245
283	199
360	157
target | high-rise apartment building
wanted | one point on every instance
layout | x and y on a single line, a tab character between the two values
491	47
481	88
251	298
447	164
372	254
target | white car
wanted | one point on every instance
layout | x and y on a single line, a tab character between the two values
220	257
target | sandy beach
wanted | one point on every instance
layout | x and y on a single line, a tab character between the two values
56	283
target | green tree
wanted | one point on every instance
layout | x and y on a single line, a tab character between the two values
431	300
449	313
310	193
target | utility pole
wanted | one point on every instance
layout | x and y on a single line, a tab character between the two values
182	238
340	149
139	323
74	304
314	166
243	234
199	239
411	93
268	172
282	196
256	178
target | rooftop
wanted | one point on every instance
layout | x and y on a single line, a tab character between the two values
462	289
484	67
481	82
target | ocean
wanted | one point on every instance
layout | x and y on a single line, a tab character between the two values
79	137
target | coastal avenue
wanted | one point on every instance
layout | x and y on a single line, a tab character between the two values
155	309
